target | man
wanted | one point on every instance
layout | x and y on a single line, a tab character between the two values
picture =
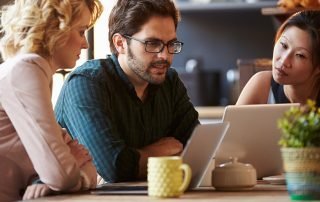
131	105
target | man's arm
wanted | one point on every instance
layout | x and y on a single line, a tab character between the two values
166	146
85	109
185	120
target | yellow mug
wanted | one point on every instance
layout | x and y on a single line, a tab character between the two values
167	176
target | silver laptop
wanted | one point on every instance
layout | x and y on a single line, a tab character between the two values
198	152
201	148
253	137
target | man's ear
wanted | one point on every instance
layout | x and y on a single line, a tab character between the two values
120	43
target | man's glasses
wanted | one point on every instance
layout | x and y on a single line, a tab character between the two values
157	46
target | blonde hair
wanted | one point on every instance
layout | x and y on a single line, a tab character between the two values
41	26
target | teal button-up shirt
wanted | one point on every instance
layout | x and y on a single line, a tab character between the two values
98	106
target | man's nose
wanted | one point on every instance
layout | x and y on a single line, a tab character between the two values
164	53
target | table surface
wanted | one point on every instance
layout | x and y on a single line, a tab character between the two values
260	193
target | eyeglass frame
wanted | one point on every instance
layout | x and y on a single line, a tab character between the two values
145	42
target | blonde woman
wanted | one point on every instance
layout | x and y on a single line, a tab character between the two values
38	37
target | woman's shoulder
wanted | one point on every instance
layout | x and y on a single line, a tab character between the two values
26	60
261	79
257	89
263	75
27	67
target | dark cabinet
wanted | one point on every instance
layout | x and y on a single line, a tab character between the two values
217	34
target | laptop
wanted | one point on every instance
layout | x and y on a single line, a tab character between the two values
253	137
201	149
198	153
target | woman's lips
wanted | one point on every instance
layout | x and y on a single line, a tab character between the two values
280	72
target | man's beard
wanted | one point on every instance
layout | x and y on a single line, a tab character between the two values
138	68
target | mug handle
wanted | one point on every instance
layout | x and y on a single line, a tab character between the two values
187	177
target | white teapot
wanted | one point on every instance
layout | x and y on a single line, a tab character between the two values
234	176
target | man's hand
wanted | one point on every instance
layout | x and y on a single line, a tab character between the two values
35	191
167	146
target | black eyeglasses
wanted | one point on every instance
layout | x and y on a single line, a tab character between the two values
157	46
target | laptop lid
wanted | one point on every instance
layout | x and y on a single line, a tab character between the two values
198	152
201	148
253	137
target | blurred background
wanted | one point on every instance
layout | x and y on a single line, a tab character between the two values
216	34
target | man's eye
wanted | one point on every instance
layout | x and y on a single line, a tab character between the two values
173	44
154	43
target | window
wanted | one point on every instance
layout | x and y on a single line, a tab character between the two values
100	47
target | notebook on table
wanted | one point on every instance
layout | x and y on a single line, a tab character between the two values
198	152
253	137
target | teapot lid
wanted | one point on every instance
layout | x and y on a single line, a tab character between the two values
234	164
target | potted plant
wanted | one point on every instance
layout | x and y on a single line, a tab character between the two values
300	142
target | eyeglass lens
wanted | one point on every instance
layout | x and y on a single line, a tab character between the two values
158	46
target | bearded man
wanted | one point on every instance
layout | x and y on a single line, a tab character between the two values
131	105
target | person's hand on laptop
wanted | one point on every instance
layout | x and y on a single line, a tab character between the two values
166	146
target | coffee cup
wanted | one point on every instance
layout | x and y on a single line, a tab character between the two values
167	176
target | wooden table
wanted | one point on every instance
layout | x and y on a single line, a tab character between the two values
260	193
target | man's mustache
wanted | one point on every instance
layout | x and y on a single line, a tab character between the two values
161	62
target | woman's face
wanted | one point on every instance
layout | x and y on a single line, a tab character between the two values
292	58
67	55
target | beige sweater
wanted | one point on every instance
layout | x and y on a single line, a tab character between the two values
31	141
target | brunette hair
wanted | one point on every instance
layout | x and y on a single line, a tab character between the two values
128	16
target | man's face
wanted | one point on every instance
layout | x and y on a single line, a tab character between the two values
142	66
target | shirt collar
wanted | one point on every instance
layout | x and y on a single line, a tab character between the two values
152	88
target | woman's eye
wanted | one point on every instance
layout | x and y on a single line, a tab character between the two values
283	45
300	56
82	32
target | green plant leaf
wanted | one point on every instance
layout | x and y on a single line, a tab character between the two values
300	126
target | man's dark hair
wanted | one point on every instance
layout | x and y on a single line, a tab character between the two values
128	16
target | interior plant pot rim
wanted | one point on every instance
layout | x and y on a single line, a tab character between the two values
301	159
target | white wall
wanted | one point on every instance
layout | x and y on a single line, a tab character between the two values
101	42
